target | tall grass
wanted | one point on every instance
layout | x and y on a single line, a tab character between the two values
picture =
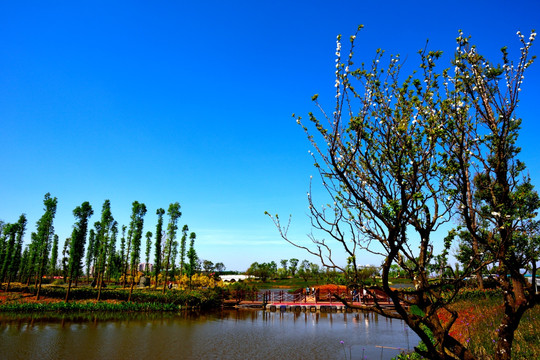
479	314
90	306
477	326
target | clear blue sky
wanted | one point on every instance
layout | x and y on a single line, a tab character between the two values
169	101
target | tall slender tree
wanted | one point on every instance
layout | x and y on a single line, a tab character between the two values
90	252
25	260
111	252
137	223
185	230
128	252
30	266
157	250
17	255
174	255
76	244
45	230
95	251
2	242
174	214
65	258
53	266
148	249
123	250
13	252
192	257
105	230
10	233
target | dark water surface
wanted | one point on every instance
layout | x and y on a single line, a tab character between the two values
226	334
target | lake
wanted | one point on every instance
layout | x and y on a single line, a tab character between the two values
224	334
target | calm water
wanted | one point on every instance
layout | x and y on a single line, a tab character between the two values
227	334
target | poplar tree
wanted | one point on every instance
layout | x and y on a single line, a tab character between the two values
3	245
192	257
17	255
2	242
128	252
174	255
159	239
137	223
53	266
23	268
65	258
90	253
185	230
148	249
174	214
12	254
76	244
95	250
123	249
9	236
45	230
30	267
105	230
111	252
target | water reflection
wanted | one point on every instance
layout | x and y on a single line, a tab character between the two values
225	334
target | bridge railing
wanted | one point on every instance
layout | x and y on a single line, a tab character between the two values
282	296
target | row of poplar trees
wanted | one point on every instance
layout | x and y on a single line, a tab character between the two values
103	261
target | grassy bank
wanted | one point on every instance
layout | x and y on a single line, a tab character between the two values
21	298
478	322
480	313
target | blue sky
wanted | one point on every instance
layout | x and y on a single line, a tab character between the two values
191	102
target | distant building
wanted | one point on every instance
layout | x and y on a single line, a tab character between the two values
142	267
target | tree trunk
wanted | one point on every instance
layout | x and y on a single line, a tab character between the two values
39	287
40	274
99	285
166	272
506	336
8	283
127	265
480	280
131	288
533	276
165	280
68	289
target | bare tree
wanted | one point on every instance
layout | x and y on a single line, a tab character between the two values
396	158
